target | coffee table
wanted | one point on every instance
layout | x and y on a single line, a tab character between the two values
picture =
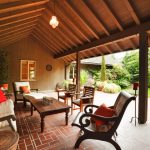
45	110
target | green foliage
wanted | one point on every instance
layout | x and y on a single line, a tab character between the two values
103	70
83	77
95	74
3	67
131	63
120	76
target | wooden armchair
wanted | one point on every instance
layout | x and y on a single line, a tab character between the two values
83	121
18	94
7	116
66	94
86	99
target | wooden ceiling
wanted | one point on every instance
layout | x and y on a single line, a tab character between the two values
93	27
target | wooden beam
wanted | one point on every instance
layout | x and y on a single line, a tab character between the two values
78	28
54	34
20	13
143	77
42	40
13	28
70	25
14	35
113	37
10	32
58	45
19	19
99	21
35	38
64	29
11	40
7	7
14	40
112	14
83	19
40	34
130	6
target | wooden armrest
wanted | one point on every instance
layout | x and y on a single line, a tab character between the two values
34	90
8	119
61	90
86	97
89	108
98	117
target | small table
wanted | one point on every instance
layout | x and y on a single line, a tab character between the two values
45	110
8	140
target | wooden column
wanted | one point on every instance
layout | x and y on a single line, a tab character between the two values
78	72
65	73
143	77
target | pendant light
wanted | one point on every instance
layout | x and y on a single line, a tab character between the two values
54	21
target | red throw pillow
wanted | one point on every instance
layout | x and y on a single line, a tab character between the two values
105	111
25	89
2	97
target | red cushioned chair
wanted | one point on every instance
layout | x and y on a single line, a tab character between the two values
104	132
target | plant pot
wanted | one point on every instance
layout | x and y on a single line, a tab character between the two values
4	86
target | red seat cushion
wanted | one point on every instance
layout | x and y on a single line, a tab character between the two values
2	97
105	111
25	89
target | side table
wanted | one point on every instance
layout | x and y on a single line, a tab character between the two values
8	140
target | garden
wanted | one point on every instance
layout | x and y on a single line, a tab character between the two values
120	77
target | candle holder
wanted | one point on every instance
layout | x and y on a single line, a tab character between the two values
135	88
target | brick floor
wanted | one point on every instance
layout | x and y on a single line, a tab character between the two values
58	136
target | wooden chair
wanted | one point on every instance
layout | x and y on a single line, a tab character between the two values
86	99
18	94
67	94
83	121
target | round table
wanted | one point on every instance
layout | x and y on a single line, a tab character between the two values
8	140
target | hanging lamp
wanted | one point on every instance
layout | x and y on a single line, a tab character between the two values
54	21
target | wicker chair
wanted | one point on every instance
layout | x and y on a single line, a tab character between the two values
83	121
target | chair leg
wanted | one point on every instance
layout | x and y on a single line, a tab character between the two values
71	108
115	144
81	108
78	142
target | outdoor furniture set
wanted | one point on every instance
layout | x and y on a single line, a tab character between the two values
101	124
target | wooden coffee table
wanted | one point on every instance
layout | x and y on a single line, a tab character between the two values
45	110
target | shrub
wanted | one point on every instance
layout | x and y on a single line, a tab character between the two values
90	82
83	77
111	88
120	76
100	85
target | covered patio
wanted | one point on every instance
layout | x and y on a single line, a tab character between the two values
87	28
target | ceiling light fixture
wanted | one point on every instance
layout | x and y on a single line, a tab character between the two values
54	21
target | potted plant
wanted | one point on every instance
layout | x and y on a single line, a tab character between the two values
3	70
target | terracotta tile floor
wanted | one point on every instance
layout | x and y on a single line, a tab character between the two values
58	136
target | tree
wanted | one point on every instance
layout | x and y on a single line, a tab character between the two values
131	63
103	69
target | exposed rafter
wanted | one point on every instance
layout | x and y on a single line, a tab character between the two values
114	37
130	7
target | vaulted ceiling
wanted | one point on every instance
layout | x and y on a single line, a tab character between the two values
93	27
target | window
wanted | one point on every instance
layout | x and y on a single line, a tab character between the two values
27	70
